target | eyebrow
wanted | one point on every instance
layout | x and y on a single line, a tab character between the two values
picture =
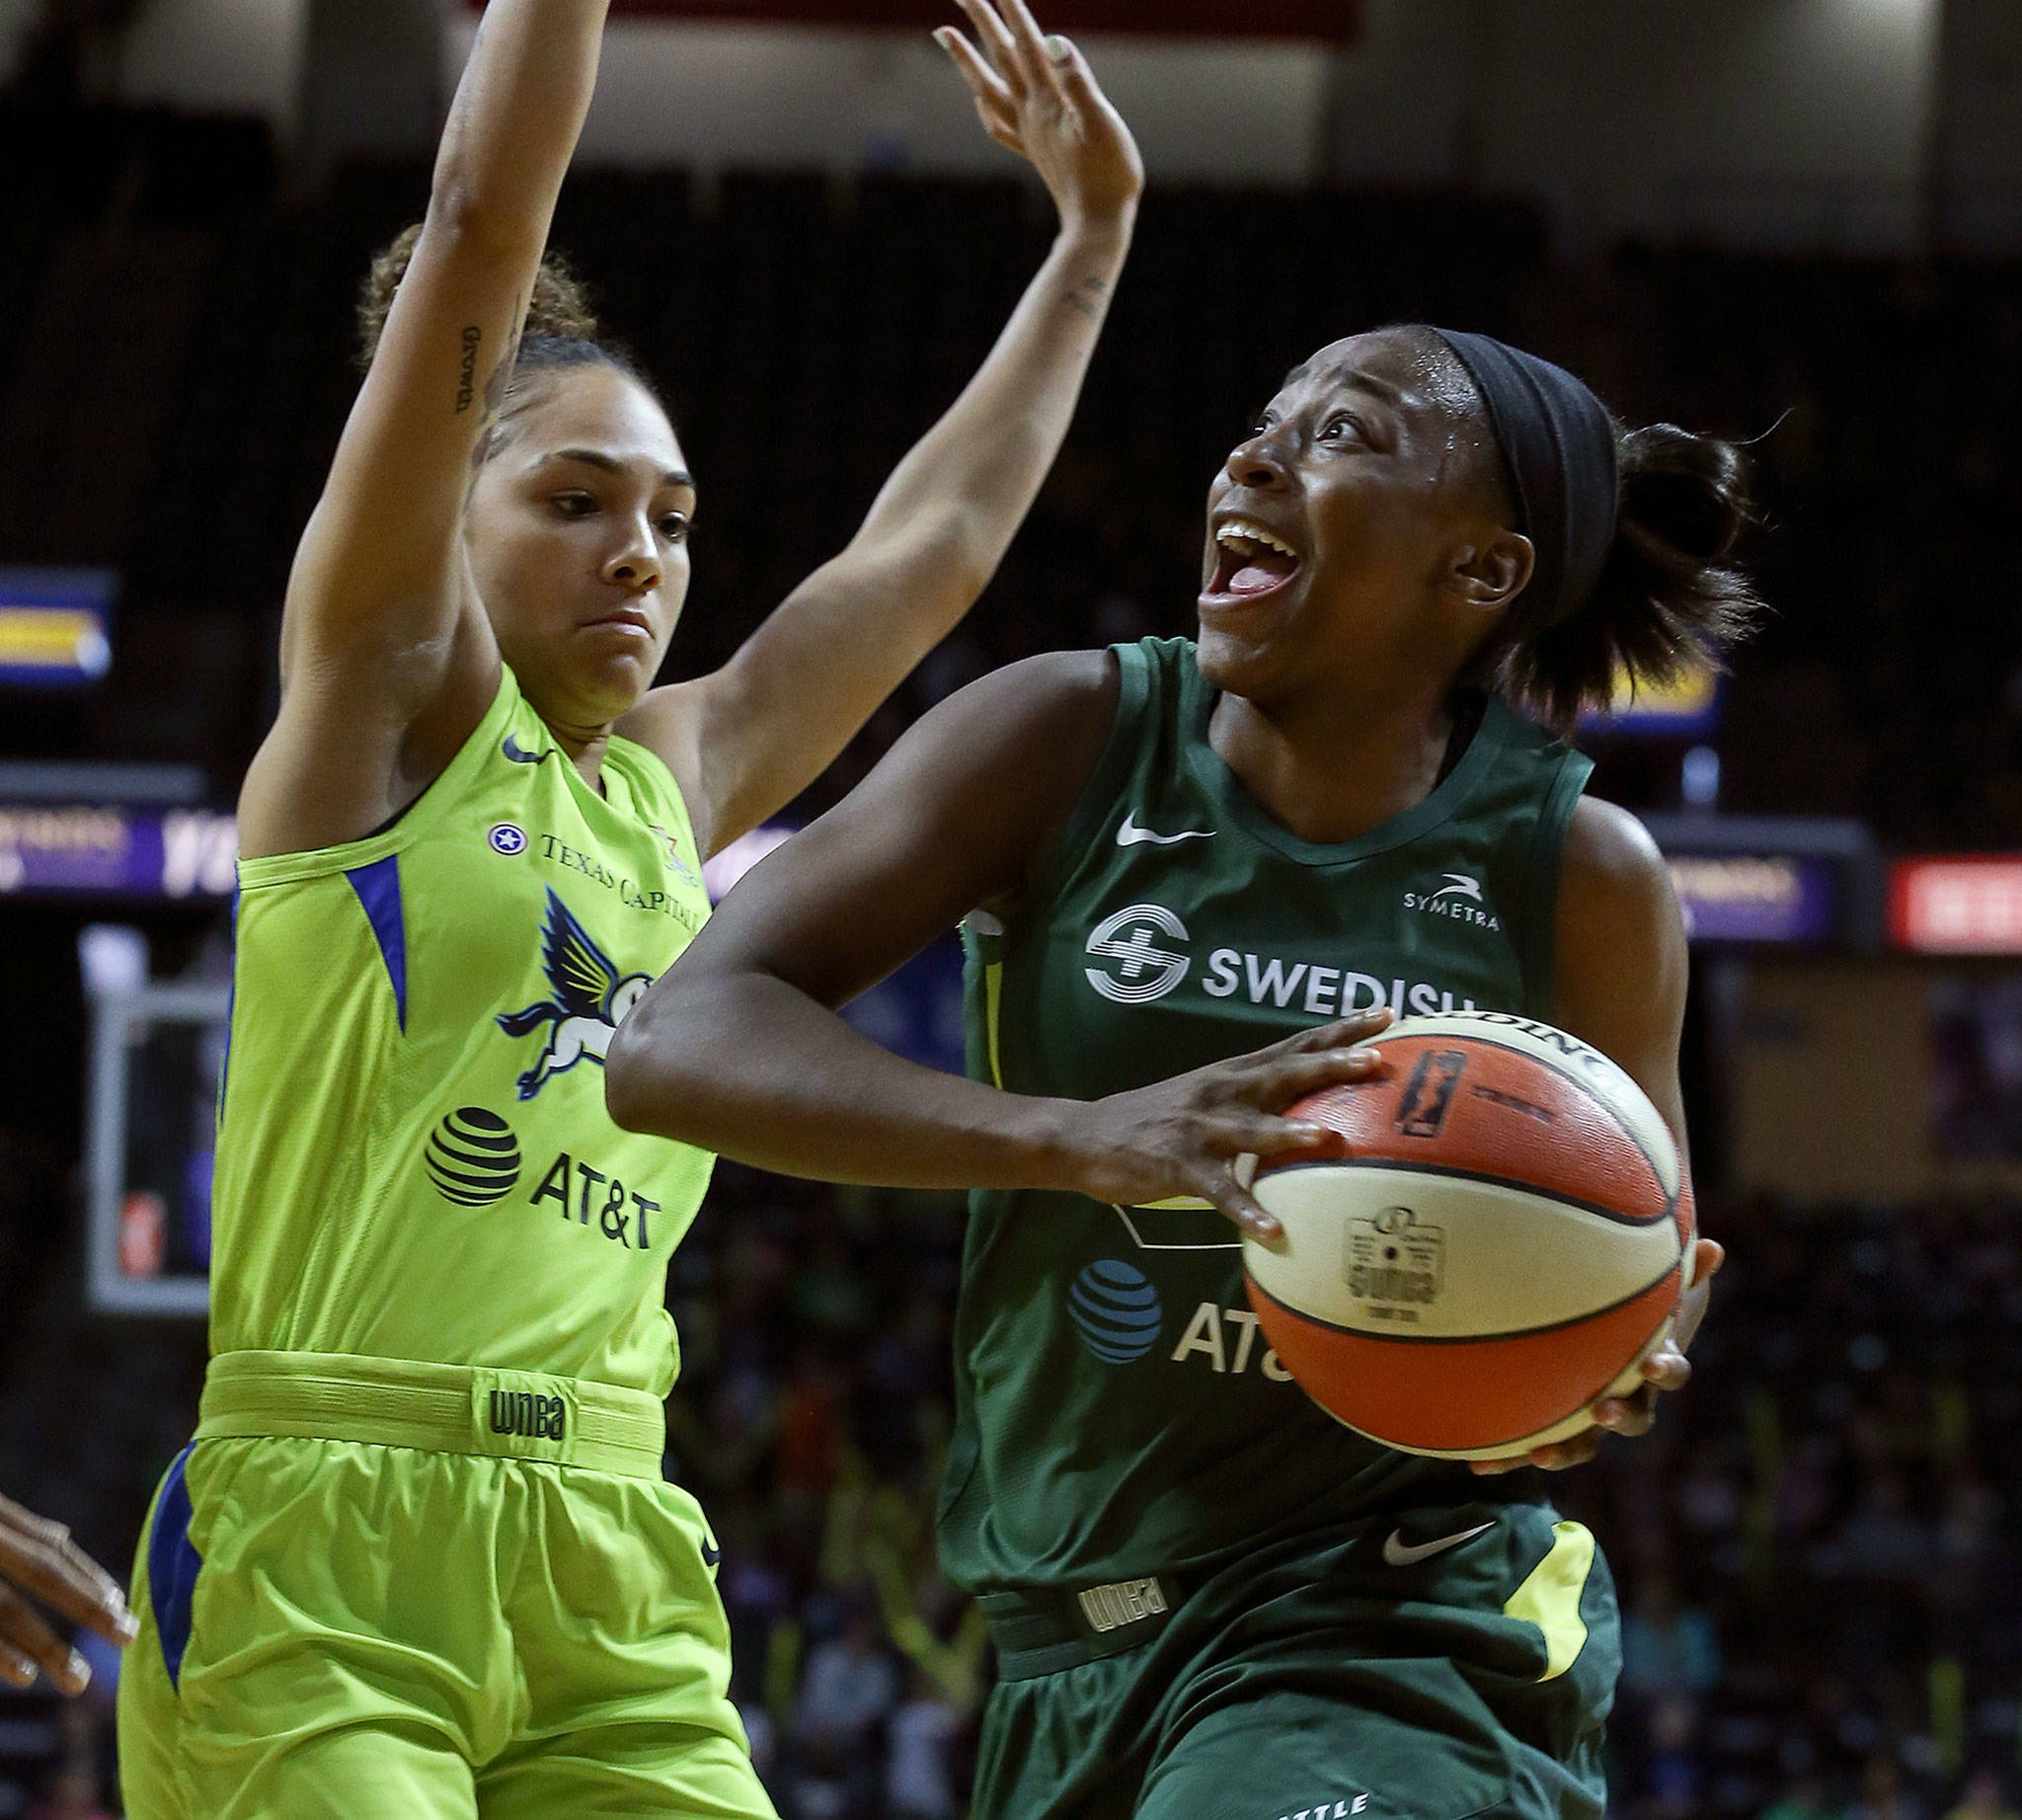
610	464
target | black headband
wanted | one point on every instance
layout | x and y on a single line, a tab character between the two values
1558	447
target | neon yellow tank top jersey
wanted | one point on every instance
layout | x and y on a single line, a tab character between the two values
414	1159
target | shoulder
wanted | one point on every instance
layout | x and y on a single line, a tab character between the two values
1618	919
1608	854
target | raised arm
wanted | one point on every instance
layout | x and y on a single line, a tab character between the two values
747	740
387	660
738	1047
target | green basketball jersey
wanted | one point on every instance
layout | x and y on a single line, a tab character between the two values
414	1160
1118	1413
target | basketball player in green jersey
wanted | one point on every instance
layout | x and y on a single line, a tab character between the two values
1211	1601
420	1562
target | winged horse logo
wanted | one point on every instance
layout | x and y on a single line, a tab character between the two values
588	998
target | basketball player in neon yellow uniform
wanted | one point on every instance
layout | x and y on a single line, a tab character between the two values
418	1562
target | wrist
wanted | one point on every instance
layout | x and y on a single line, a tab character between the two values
1103	233
1046	1144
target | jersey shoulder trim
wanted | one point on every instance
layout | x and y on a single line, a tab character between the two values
440	798
1540	952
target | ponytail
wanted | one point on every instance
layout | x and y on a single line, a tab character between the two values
1669	598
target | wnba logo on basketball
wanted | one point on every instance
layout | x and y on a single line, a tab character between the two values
1117	1312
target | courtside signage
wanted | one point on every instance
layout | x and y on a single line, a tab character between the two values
1779	898
55	628
1967	904
1687	709
77	849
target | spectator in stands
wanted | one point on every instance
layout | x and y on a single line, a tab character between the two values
1806	1799
1982	1799
1667	1648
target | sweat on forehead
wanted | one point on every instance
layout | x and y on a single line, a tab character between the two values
1406	357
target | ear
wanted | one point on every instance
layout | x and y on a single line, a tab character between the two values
1486	577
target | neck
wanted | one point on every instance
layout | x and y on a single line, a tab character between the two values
585	747
1331	765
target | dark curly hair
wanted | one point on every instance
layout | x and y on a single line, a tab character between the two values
560	328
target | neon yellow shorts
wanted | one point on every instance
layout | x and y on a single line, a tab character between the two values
374	1590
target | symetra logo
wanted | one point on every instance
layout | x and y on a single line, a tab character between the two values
1138	968
1458	899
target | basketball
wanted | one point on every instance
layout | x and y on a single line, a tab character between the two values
1504	1245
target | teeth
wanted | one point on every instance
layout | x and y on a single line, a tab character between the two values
1242	530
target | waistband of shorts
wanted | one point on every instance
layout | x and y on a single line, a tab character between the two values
1041	1633
438	1408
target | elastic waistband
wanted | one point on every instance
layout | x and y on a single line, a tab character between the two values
438	1409
1041	1633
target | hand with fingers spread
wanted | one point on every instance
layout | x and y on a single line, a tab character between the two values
1667	1368
39	1557
1182	1137
1036	96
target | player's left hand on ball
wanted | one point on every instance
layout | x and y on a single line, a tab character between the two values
1038	96
1667	1368
37	1556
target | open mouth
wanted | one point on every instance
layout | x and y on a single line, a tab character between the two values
1250	560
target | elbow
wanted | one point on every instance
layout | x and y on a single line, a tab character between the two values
636	1083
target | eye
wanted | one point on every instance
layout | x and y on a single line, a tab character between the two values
573	505
675	528
1343	424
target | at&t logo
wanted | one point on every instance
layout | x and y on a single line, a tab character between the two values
1117	1310
1136	969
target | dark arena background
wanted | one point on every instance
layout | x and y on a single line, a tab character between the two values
1793	221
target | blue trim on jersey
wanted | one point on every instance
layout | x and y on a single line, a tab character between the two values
173	1565
378	889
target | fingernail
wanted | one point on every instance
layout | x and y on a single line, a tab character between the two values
942	33
78	1672
1060	49
127	1625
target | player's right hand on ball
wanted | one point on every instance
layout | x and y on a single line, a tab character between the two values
1182	1135
37	1556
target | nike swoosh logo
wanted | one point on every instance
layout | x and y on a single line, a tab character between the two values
519	755
1130	835
710	1556
1397	1553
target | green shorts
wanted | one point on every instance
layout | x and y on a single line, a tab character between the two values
374	1590
1318	1680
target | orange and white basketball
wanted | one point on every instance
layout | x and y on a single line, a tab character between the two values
1503	1246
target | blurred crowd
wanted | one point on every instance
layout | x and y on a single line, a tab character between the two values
1823	1605
181	366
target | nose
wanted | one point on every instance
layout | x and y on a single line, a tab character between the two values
1259	463
637	564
